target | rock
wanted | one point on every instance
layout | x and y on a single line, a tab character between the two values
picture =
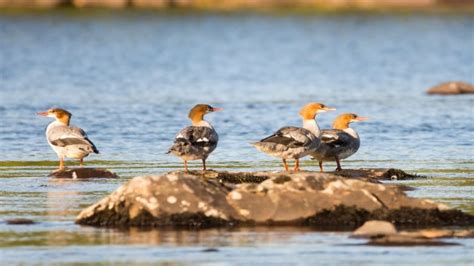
434	233
451	88
20	221
321	200
375	228
81	173
100	3
349	218
173	199
382	233
151	3
401	240
464	233
32	3
439	233
378	174
210	250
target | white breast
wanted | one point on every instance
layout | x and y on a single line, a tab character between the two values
51	126
312	126
351	132
203	123
60	151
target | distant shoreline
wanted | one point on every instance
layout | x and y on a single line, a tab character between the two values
299	6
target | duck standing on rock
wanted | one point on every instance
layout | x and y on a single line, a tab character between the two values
295	142
67	141
340	142
196	142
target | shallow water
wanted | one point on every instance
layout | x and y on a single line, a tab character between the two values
130	78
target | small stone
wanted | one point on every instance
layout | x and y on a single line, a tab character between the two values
210	250
401	240
81	173
375	228
464	233
436	233
20	221
452	88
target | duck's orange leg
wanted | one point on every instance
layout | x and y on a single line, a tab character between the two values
81	162
321	166
61	163
338	164
297	165
186	166
285	165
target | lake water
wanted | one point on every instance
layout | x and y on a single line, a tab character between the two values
129	78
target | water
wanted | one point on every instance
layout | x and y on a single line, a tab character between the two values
130	78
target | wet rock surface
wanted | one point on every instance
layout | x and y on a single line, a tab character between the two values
83	173
374	175
321	200
451	88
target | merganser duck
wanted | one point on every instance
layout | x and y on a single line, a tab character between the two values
196	142
67	141
295	142
340	142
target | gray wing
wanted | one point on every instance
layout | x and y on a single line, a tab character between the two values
291	137
336	138
195	140
336	143
63	136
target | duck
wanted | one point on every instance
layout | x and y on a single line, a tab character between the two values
198	141
66	140
340	142
295	142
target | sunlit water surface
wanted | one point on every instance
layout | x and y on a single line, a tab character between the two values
130	79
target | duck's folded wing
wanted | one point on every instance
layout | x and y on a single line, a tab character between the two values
335	138
290	137
63	136
198	136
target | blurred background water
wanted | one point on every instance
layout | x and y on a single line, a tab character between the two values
129	78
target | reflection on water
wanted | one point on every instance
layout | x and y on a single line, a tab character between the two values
246	245
209	237
130	79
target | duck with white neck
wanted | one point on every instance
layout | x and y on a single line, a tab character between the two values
340	142
196	142
295	142
67	141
